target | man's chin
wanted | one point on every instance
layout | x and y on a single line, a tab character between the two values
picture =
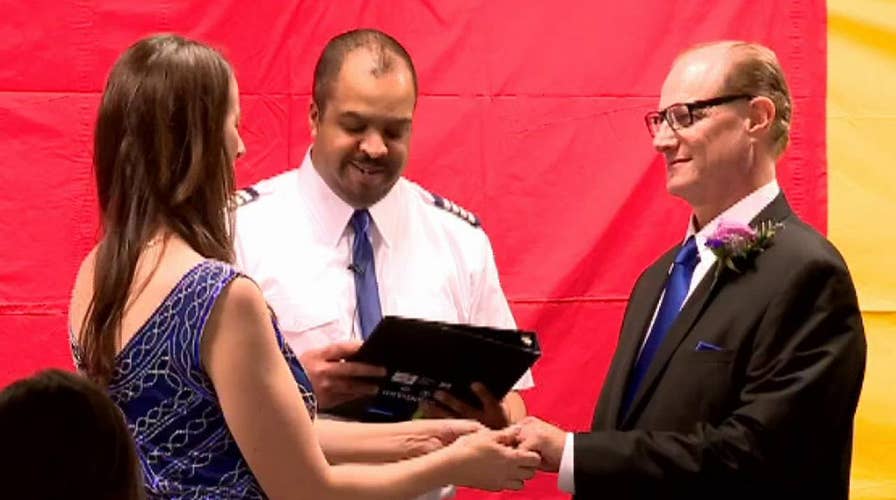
675	187
680	189
365	196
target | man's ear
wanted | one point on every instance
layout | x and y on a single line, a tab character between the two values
314	116
762	115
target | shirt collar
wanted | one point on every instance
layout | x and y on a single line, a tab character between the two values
742	212
387	214
332	214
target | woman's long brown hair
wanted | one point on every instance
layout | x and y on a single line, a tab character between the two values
160	162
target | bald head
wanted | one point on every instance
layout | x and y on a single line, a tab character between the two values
696	74
737	67
383	53
719	128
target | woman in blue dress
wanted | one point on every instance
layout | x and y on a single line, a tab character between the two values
218	404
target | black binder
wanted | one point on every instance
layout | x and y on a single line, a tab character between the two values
424	356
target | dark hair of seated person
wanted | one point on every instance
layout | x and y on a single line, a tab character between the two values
61	437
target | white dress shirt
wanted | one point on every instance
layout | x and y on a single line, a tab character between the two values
295	241
742	212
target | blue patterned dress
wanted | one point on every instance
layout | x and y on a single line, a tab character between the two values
186	450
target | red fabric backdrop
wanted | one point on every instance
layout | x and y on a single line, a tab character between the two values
530	115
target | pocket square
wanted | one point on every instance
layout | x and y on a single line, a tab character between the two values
706	346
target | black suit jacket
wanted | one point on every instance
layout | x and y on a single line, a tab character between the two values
768	416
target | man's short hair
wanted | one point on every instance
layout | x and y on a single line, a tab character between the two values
755	70
384	47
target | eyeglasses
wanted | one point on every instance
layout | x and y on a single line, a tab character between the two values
681	114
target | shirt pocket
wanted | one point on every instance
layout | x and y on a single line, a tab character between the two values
721	356
309	325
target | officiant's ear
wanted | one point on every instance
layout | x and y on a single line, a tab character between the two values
314	116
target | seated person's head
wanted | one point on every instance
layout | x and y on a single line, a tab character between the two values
62	437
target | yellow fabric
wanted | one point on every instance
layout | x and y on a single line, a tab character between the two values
874	459
861	142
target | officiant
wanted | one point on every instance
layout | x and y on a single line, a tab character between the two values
344	239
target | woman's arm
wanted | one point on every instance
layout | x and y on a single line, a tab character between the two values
375	443
264	411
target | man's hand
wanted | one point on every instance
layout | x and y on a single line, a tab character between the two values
492	413
543	438
335	380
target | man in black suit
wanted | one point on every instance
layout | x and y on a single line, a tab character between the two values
742	351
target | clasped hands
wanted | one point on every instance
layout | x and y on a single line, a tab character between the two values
516	449
501	459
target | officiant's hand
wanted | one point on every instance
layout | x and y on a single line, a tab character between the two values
493	414
335	380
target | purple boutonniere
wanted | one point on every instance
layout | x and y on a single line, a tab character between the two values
736	244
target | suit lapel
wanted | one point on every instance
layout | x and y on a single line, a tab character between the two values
692	309
637	318
700	299
777	210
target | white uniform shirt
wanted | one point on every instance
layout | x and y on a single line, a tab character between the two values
295	241
432	263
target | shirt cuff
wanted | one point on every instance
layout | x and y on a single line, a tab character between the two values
566	479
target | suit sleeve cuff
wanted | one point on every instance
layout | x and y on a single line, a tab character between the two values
566	478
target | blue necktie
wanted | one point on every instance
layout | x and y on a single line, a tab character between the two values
366	290
676	290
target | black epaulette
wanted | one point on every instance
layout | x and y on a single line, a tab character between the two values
245	196
454	208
